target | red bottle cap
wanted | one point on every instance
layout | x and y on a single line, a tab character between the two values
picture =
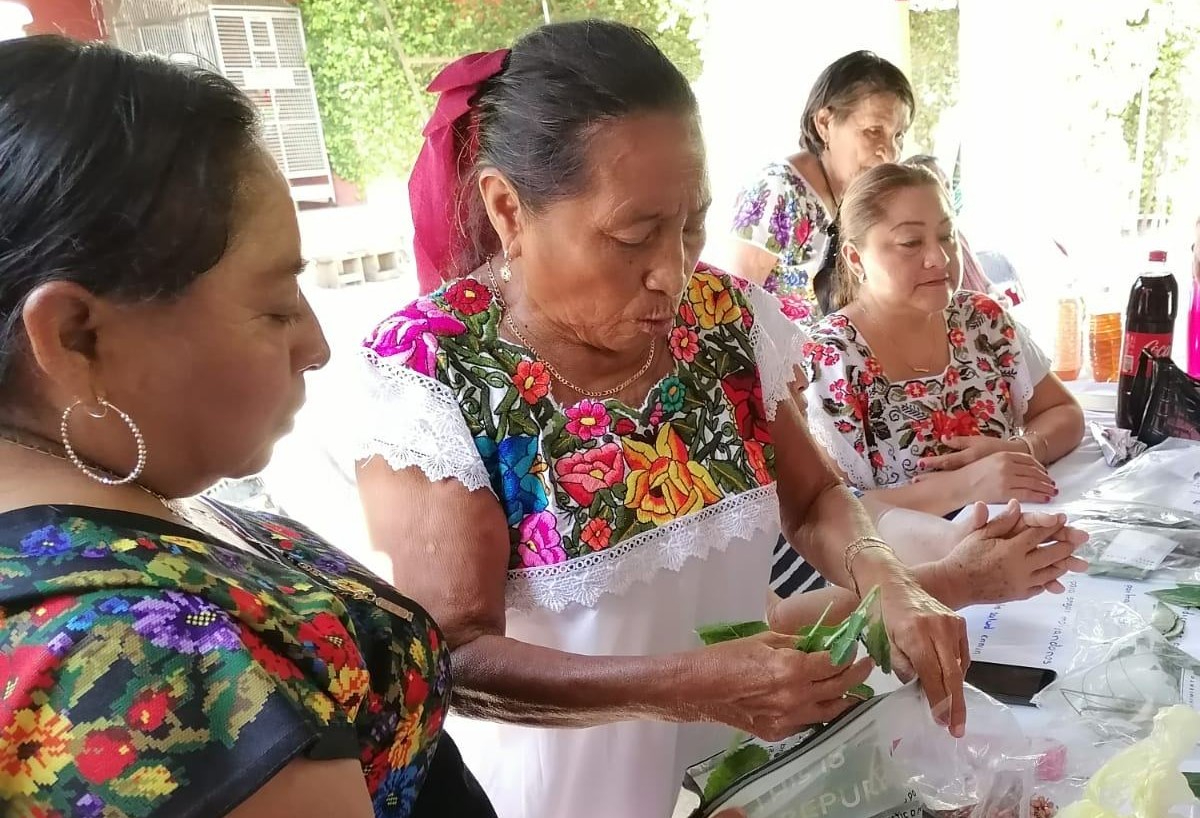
1158	255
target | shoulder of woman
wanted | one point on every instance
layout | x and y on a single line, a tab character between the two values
980	310
452	316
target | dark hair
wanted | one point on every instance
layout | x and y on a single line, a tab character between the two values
117	172
535	119
864	206
846	82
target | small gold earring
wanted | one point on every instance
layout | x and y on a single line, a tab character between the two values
506	268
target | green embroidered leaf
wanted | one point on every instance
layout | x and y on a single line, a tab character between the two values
728	475
1186	595
734	765
719	632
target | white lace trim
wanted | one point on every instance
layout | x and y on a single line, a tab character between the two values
854	466
584	580
411	419
778	347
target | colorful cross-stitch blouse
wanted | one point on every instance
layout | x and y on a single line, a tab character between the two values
149	670
628	525
877	429
781	213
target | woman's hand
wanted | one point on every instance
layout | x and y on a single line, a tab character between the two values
928	641
999	477
1005	559
763	685
967	450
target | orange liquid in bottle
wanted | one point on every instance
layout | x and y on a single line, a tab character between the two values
1104	343
1068	358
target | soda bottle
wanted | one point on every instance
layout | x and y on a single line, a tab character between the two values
1149	325
1068	357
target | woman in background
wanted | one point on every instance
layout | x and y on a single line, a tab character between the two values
785	222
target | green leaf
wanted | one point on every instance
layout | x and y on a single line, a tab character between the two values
1193	781
807	638
842	645
719	632
863	692
1187	595
734	765
818	638
879	647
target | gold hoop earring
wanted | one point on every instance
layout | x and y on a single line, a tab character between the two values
77	461
506	268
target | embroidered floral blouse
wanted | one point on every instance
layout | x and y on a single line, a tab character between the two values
147	670
589	479
877	429
782	214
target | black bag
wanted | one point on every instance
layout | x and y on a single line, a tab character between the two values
1172	401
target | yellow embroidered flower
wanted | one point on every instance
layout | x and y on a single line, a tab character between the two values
168	566
124	544
663	482
408	740
712	301
33	749
349	688
146	783
187	543
322	706
417	651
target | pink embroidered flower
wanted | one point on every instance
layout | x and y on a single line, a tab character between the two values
844	426
596	534
985	306
874	367
877	459
916	390
1009	333
685	343
468	296
1007	359
952	376
412	335
983	409
587	419
538	540
584	473
795	308
839	321
983	364
837	390
957	337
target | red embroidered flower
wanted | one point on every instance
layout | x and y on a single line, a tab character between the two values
915	390
804	228
434	724
1009	333
858	403
957	337
952	376
50	608
328	638
959	423
795	308
844	426
757	458
375	766
983	409
105	755
416	690
744	392
274	663
986	306
532	380
596	534
877	459
624	426
26	670
583	473
839	321
282	531
148	711
1007	359
922	429
687	314
249	606
983	364
874	367
468	297
832	356
837	389
434	640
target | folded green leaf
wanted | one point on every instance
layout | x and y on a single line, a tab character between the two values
1186	595
808	640
728	631
1193	780
863	692
735	764
879	647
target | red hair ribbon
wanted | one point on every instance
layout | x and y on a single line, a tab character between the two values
433	185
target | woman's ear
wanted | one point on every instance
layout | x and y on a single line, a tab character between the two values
61	321
503	209
853	261
821	121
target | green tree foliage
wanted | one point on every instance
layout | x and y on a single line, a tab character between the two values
371	60
933	38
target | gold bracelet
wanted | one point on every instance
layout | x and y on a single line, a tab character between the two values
1029	438
857	547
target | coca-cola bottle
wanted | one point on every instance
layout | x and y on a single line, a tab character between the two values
1149	325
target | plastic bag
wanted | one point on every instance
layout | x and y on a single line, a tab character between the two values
887	758
1167	475
1139	552
1129	513
1143	781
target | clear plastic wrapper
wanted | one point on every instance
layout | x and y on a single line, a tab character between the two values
1117	445
1130	513
888	758
1167	475
1140	551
